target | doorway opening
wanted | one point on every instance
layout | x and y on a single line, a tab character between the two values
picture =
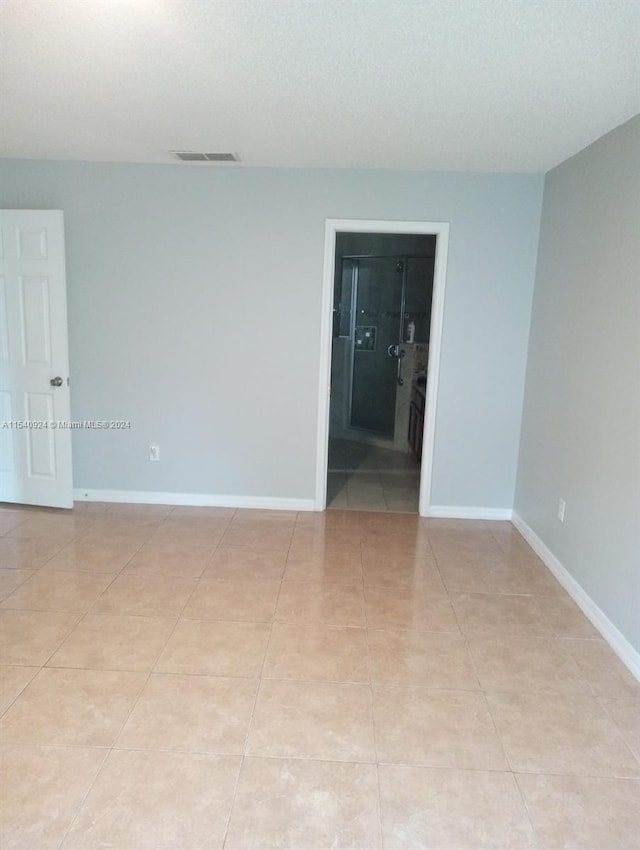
383	303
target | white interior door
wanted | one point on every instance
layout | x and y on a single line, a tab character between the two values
35	451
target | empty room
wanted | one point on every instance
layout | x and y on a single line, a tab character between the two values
319	425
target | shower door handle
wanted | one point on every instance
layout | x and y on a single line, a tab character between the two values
399	354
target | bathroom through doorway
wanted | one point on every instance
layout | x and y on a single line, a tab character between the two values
383	288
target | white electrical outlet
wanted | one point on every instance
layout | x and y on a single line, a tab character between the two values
154	452
561	509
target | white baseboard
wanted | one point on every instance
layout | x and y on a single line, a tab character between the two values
616	640
206	500
452	512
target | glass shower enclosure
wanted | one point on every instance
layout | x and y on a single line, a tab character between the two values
384	302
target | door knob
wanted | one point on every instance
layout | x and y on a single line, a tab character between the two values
56	382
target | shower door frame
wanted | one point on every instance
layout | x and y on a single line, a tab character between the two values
333	226
348	412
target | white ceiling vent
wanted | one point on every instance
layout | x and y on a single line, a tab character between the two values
194	156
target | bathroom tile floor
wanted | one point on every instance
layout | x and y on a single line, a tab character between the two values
368	478
175	678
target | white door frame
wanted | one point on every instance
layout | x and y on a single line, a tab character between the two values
333	226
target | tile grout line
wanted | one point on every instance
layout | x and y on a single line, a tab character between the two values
534	831
372	698
260	678
494	725
108	752
83	800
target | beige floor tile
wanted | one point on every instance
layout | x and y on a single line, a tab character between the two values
9	520
318	602
122	528
625	713
114	642
206	530
157	801
519	548
565	618
215	647
583	813
560	733
86	557
259	535
461	576
30	637
13	680
12	579
411	525
563	701
307	805
328	566
206	714
398	569
415	546
537	579
522	663
334	519
325	653
471	574
116	532
427	809
10	509
499	614
313	720
53	591
170	560
366	498
41	789
433	659
28	553
504	532
140	512
174	534
330	538
259	515
436	728
423	608
193	512
50	527
90	509
479	544
145	596
253	601
603	670
241	564
81	708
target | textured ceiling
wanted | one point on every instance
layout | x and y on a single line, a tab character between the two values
480	85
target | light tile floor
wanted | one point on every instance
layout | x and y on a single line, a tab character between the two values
367	478
193	677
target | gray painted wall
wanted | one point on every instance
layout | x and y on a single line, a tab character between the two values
194	310
581	422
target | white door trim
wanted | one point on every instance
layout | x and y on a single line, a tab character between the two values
334	226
